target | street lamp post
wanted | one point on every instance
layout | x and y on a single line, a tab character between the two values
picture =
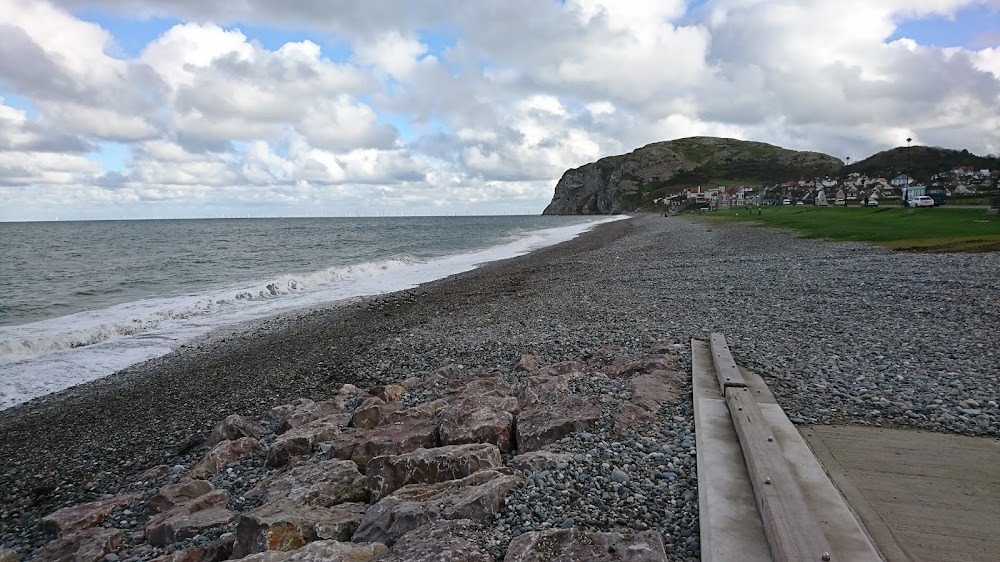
845	182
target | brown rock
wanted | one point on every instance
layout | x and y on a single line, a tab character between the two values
548	422
441	541
152	473
8	555
649	392
389	472
545	388
169	497
395	439
644	365
424	411
410	383
389	393
450	371
74	518
538	460
556	369
527	363
372	412
477	497
300	440
322	551
232	428
221	455
189	555
306	411
576	545
480	418
189	519
88	545
284	525
324	484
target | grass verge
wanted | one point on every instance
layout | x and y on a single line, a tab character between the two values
936	229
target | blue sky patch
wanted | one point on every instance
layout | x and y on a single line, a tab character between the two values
973	27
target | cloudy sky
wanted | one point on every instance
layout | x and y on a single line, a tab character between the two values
194	108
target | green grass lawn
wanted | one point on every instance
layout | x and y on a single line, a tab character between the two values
932	229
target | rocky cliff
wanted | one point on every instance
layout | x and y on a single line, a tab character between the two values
629	182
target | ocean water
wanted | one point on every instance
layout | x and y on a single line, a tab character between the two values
81	300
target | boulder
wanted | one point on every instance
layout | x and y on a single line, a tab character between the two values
153	473
545	388
640	366
441	541
649	392
8	555
285	525
74	518
325	483
322	551
395	439
388	393
547	422
423	411
410	382
527	363
224	453
300	441
563	368
450	371
480	418
389	472
576	545
169	497
306	411
538	460
477	497
88	545
233	428
372	412
189	519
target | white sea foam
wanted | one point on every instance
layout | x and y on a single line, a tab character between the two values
47	356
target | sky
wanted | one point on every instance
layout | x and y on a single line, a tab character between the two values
115	109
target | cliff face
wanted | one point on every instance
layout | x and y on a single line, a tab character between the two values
631	181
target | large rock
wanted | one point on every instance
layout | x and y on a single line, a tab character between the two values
325	483
527	363
547	422
389	472
285	525
649	392
395	439
644	365
189	519
477	497
372	412
88	545
306	411
300	441
440	541
480	418
172	495
233	428
224	453
539	460
8	555
388	393
74	518
576	545
545	388
322	551
423	411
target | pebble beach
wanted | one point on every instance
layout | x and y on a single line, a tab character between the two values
841	332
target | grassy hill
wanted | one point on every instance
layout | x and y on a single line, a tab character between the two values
924	161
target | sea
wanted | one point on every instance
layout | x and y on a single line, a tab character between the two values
81	300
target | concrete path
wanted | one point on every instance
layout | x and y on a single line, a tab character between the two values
922	496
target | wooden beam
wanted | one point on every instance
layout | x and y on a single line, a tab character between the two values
792	531
725	366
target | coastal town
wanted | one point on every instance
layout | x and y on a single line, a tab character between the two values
961	185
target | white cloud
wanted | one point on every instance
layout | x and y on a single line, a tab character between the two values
454	104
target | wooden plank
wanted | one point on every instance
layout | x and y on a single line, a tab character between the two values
725	366
792	531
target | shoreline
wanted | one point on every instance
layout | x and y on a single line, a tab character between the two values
797	311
